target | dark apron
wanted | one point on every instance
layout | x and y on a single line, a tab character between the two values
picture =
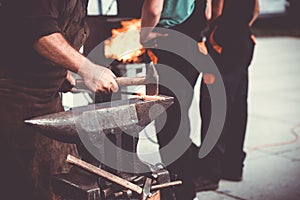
29	158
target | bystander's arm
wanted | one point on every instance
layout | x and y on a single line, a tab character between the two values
151	13
217	8
255	13
208	10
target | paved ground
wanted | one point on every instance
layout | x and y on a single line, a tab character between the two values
272	168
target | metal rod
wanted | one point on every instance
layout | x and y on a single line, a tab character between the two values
130	93
165	185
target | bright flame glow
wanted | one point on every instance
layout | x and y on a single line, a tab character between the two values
124	45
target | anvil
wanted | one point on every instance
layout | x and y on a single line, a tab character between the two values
120	121
130	116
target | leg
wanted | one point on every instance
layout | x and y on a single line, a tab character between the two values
236	129
234	155
177	123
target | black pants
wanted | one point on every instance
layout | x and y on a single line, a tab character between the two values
173	131
227	156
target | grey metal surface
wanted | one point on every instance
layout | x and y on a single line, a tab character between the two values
117	116
110	118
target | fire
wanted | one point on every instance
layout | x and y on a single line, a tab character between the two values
124	45
152	56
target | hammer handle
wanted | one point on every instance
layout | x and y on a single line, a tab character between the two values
116	179
121	81
127	81
79	84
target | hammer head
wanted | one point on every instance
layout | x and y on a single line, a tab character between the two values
151	80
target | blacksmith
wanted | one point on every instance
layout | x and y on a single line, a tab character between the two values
39	42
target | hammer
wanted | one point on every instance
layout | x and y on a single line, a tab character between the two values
150	80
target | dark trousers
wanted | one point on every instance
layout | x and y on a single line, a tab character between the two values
173	129
227	156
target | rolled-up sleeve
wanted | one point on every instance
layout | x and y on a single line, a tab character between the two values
42	18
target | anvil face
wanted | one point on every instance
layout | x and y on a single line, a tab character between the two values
113	117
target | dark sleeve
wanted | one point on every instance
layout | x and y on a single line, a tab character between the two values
42	18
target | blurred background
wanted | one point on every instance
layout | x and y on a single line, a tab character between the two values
278	18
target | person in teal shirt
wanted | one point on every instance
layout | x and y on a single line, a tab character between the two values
164	13
176	12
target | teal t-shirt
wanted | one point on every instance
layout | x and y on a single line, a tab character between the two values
175	12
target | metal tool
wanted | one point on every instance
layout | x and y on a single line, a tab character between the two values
146	189
165	185
107	117
150	81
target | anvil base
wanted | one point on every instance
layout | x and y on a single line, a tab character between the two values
81	185
76	186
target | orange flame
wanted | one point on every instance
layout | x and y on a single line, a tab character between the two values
152	56
124	45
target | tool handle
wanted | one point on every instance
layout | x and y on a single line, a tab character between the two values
121	81
165	185
79	84
127	81
116	179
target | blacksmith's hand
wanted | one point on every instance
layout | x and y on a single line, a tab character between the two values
68	84
98	78
70	79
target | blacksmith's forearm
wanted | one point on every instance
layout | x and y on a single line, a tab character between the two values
55	48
